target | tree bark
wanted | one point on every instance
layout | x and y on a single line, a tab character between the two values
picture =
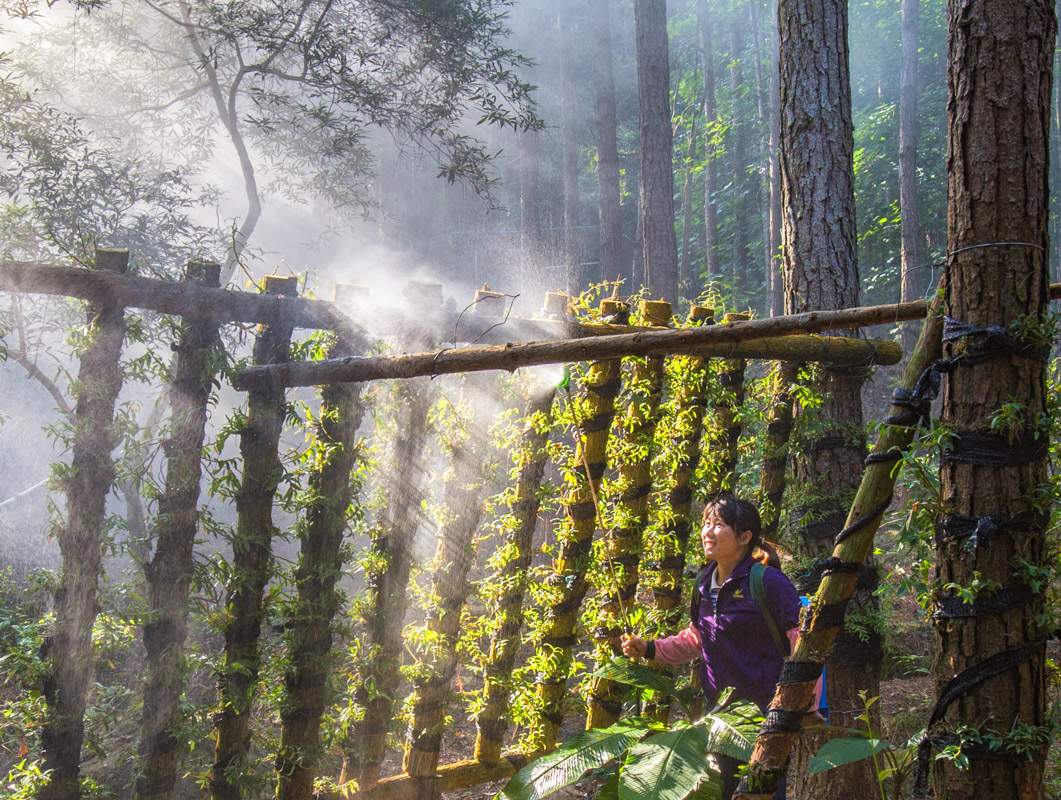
776	275
530	239
713	268
660	244
739	175
685	283
168	574
821	271
608	193
251	562
999	85
567	21
910	230
310	622
68	650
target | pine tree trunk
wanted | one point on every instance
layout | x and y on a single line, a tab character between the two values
999	84
567	21
685	282
168	574
775	453
251	561
713	268
310	623
660	244
68	651
821	272
530	239
776	280
908	129
739	163
607	146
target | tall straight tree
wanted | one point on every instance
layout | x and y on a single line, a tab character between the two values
567	21
775	280
997	274
659	241
707	67
908	127
608	192
821	273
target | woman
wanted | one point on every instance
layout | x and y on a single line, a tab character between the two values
729	629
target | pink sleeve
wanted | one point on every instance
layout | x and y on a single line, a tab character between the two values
792	636
678	649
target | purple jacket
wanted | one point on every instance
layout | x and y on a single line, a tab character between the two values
733	638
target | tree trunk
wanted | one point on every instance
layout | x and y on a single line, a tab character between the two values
713	269
819	246
908	129
530	239
70	668
251	561
608	197
660	244
776	281
999	84
739	164
685	282
775	452
309	624
567	21
168	575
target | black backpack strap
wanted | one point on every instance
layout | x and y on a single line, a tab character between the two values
755	582
697	595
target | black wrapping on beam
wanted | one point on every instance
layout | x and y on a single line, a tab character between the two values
810	582
765	780
561	643
566	606
1005	599
626	559
596	471
680	495
918	403
978	530
627	593
825	617
554	718
995	450
780	720
576	548
608	390
799	672
827	443
636	493
990	342
889	457
603	633
579	512
672	561
659	591
863	521
597	423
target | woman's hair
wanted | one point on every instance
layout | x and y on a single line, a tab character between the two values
744	516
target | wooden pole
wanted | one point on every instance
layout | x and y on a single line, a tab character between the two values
821	625
727	426
251	560
595	409
731	342
775	454
69	673
169	572
622	545
309	624
378	675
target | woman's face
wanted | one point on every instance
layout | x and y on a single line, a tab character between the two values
720	541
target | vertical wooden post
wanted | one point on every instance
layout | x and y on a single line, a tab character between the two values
251	559
366	741
531	456
622	547
568	581
168	574
309	623
449	590
69	649
775	455
727	426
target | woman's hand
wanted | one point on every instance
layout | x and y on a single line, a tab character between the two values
634	646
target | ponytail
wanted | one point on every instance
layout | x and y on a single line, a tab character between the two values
766	553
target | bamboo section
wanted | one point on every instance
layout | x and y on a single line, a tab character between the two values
816	639
732	340
775	454
69	649
309	625
532	455
568	581
378	677
727	426
691	405
622	545
449	590
251	560
168	574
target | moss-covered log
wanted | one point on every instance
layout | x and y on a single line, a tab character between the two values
168	574
621	547
823	621
775	452
568	582
726	426
69	671
732	341
531	454
462	499
251	561
310	623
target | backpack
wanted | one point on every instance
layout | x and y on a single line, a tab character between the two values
755	582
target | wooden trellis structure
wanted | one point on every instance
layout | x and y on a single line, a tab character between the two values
203	307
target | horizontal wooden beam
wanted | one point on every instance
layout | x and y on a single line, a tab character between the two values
830	349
